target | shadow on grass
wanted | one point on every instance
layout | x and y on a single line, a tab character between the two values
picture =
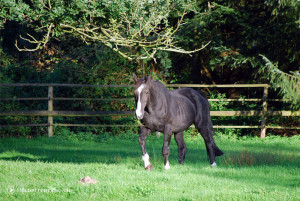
53	150
123	151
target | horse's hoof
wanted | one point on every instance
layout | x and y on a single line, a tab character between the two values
149	167
167	166
213	165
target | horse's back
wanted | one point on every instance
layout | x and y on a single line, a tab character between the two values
191	94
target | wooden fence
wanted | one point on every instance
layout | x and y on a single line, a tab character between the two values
50	113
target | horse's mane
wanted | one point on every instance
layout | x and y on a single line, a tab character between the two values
160	86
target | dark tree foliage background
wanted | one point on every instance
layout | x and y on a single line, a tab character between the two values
239	31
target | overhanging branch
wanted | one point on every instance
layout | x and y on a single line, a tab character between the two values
33	40
145	33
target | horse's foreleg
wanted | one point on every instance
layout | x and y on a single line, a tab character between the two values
166	148
182	149
144	132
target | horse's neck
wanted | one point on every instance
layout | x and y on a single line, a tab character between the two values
158	97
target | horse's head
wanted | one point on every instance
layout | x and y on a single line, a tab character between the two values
142	94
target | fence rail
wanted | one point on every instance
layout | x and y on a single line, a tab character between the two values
50	113
46	113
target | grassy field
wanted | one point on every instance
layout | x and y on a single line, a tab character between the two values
49	169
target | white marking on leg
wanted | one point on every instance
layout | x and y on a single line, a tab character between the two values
139	105
214	164
167	166
146	160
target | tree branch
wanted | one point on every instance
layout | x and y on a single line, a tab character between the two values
33	40
144	29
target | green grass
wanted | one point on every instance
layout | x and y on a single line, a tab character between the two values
49	168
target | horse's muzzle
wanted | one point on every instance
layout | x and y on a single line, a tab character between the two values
139	115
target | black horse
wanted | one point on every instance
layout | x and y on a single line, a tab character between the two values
172	111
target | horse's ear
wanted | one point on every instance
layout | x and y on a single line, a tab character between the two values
134	77
149	79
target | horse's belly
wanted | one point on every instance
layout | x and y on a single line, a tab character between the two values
179	125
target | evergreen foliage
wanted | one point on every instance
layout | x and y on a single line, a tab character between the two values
289	85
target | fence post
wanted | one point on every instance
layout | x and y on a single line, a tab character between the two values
264	113
50	109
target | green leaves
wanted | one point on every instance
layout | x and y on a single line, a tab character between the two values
10	10
134	29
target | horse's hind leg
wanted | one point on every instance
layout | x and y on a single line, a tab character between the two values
144	132
182	149
211	147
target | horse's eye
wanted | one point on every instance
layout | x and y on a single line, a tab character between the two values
146	92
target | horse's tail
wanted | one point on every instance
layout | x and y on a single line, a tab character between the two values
217	151
203	120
